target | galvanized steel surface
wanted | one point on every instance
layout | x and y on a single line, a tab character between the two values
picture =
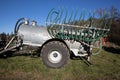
33	35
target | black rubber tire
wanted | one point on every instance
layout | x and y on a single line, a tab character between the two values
58	46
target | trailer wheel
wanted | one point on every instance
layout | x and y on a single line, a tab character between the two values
55	54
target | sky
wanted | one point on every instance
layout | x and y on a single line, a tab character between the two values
12	10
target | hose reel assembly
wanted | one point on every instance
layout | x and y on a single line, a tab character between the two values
85	27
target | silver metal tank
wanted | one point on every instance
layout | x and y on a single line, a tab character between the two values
33	34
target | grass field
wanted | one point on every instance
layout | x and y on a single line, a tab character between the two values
106	66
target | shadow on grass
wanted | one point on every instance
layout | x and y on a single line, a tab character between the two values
112	50
7	54
17	53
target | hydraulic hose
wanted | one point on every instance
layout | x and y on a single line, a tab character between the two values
20	22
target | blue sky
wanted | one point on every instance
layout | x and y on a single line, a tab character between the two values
12	10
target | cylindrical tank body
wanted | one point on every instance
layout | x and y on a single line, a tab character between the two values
33	35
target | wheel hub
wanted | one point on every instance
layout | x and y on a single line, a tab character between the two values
55	57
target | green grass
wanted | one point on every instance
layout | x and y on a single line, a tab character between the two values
106	66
